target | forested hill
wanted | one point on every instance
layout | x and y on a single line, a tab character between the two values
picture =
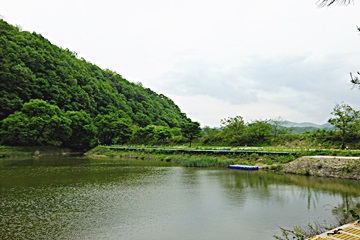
33	68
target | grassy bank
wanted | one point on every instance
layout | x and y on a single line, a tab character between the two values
196	160
219	157
336	164
8	151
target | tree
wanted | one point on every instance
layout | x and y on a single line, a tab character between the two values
162	134
345	120
38	123
279	130
278	126
112	129
190	131
233	129
144	135
259	131
8	103
83	130
211	135
15	131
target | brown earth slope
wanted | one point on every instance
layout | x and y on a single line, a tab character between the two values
325	166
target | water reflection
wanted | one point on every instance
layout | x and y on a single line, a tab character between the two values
79	198
303	187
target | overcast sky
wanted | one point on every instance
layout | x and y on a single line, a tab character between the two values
258	59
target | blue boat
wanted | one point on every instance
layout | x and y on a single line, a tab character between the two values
244	167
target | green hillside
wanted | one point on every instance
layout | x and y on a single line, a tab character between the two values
39	80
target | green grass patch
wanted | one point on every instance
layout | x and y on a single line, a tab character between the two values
208	159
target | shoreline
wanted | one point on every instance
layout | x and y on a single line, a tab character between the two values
345	167
325	166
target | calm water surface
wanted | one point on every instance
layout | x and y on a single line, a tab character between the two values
80	198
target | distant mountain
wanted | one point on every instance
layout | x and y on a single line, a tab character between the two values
305	126
289	124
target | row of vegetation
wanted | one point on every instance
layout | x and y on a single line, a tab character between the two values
41	123
345	132
200	159
49	97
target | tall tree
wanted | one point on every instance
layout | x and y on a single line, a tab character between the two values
345	120
259	131
190	131
233	129
278	126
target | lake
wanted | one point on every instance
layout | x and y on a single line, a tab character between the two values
107	198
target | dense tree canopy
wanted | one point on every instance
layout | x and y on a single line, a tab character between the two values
38	123
33	68
83	130
233	129
191	130
113	129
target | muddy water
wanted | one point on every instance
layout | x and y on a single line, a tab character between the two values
79	198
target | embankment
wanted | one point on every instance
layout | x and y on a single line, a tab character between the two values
7	151
325	166
320	166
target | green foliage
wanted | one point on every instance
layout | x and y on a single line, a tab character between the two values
278	127
282	158
347	212
346	120
295	233
202	161
304	232
162	134
258	132
90	105
191	130
254	157
152	135
144	135
233	128
236	132
38	123
212	135
112	129
83	131
33	68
